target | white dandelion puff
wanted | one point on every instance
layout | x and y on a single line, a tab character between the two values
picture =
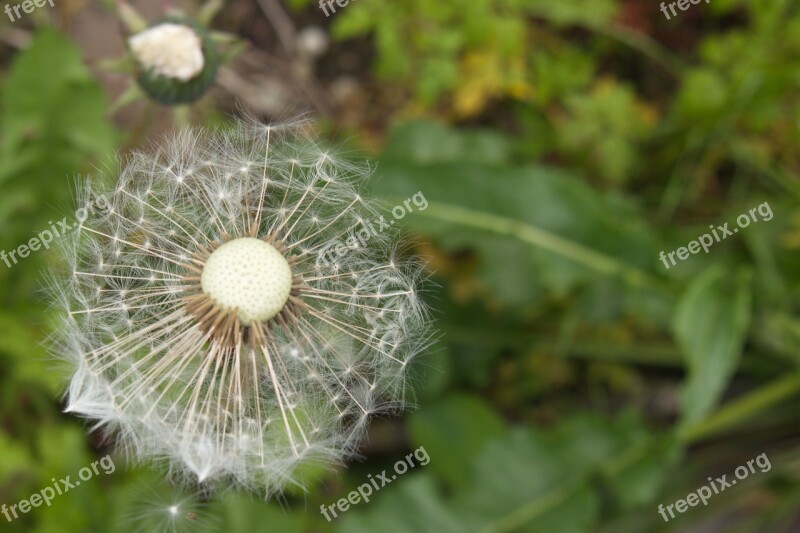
202	331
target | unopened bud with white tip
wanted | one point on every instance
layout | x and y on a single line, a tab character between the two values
171	50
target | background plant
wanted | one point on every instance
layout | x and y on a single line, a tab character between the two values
561	146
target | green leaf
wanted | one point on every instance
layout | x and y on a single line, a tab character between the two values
425	141
63	452
49	128
245	514
453	431
29	361
603	127
710	325
519	482
639	482
534	228
702	96
529	480
392	512
15	460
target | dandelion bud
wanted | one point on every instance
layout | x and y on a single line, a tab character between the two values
177	61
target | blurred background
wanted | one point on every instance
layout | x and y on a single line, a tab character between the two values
577	383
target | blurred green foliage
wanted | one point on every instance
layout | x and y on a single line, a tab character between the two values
577	383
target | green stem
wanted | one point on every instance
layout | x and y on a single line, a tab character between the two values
644	45
543	239
742	408
517	520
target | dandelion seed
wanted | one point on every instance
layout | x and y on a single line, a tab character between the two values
160	509
217	343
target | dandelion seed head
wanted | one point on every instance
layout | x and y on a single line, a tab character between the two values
203	332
